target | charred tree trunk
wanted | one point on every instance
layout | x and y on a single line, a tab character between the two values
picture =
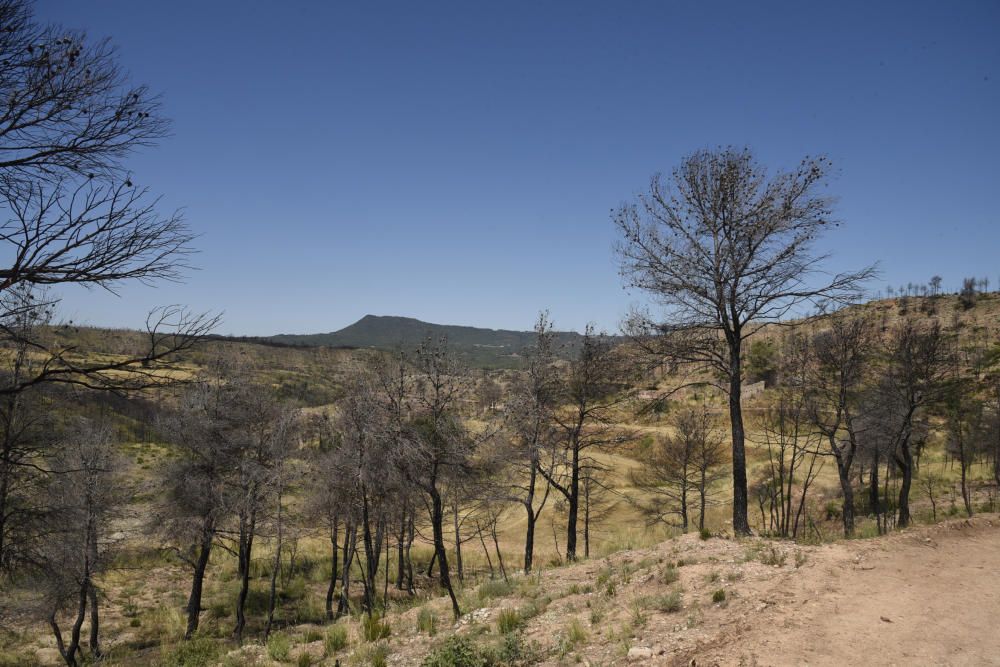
198	578
573	498
247	529
905	464
459	569
350	542
437	525
741	524
334	553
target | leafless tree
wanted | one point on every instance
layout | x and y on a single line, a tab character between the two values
531	406
233	436
259	433
793	462
726	248
915	378
440	448
86	494
73	215
592	387
678	473
69	108
26	429
965	429
836	378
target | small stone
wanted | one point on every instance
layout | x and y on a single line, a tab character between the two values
637	653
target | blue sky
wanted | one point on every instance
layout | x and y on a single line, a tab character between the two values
457	162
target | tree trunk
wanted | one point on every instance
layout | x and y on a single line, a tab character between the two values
275	570
198	579
741	524
350	541
905	463
574	504
437	525
400	553
409	561
247	528
95	623
702	499
529	538
334	553
460	570
873	495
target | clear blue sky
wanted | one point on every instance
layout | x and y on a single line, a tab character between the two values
457	162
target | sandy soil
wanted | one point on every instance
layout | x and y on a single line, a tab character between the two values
926	597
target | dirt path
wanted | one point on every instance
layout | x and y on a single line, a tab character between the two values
930	596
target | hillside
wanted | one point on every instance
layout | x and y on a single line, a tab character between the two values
497	348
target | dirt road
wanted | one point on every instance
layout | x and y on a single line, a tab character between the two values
930	596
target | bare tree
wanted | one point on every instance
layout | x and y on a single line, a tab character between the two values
835	379
531	407
914	379
69	119
726	248
590	390
679	472
964	431
86	493
258	434
440	448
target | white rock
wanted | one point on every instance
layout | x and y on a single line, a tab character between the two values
637	653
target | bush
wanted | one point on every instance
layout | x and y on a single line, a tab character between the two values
427	621
304	660
773	556
719	595
670	575
508	621
495	588
704	534
374	655
200	652
374	628
669	603
278	647
335	640
457	651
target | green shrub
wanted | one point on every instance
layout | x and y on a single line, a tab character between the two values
773	556
313	635
374	628
373	655
704	534
427	621
508	621
670	575
278	647
719	595
304	660
134	623
335	640
199	652
494	588
457	651
669	603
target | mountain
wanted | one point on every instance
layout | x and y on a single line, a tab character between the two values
495	348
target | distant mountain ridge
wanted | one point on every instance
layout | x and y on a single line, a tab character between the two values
479	346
